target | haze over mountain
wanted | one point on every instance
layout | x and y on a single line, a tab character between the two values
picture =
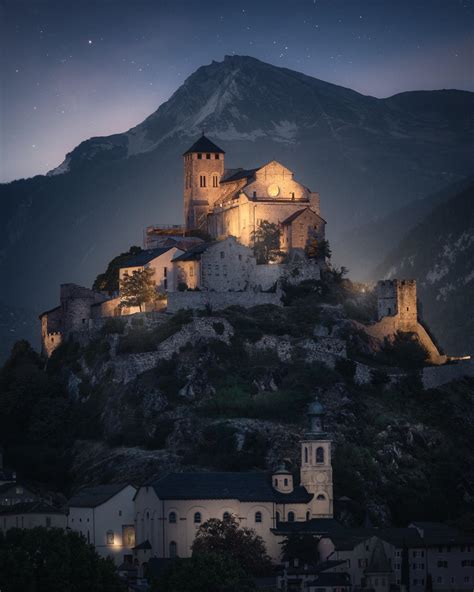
366	157
439	254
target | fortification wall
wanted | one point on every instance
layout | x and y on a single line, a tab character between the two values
436	376
76	302
220	300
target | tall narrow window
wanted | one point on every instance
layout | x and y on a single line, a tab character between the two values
202	180
319	454
215	181
291	516
172	517
258	516
173	550
305	454
197	518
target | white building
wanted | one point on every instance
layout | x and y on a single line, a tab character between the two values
31	515
104	515
170	510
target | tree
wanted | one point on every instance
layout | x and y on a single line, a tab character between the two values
317	249
226	538
53	560
109	280
266	241
303	547
206	572
137	289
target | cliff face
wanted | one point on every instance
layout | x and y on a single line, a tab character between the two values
229	392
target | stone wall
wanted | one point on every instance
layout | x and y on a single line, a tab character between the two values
436	376
76	303
196	197
220	300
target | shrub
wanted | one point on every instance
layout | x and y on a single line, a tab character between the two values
218	327
113	325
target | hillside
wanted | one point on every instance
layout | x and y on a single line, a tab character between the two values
229	392
439	254
364	155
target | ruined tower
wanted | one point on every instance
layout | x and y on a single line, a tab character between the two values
398	298
203	170
316	465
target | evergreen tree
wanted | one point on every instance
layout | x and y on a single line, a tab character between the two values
266	241
317	249
303	547
109	280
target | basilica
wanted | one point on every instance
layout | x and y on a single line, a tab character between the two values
234	202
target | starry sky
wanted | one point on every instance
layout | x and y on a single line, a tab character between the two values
70	70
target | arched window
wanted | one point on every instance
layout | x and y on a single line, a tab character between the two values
321	497
173	550
277	516
275	481
215	181
197	518
305	454
285	482
147	515
202	180
308	515
258	517
226	516
172	518
291	516
319	454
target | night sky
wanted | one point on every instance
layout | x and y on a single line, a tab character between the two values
71	70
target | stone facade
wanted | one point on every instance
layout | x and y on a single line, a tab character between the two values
234	202
300	227
220	300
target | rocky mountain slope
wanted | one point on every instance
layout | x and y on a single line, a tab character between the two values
230	391
439	254
365	156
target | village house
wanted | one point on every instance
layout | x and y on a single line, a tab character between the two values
12	493
104	515
30	515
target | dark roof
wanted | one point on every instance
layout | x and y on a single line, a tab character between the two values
49	311
320	526
436	533
193	254
11	485
91	497
236	175
242	486
330	579
400	537
310	569
38	507
144	257
204	145
379	562
143	546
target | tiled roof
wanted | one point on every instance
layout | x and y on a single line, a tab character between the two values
238	174
144	257
193	254
91	497
38	507
242	486
320	526
203	144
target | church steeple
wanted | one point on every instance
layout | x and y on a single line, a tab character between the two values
316	466
203	170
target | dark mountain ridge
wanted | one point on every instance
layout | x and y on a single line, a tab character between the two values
366	156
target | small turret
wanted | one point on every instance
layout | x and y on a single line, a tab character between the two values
282	480
316	419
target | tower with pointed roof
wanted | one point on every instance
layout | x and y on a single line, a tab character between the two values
203	170
316	465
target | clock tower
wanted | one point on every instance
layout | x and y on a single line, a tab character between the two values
316	467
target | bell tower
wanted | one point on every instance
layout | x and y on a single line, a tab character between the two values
203	170
316	466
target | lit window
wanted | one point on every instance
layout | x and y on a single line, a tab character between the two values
258	517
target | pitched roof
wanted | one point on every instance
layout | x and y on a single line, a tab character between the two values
194	253
379	562
38	507
203	144
437	533
144	546
319	526
11	485
242	486
91	497
331	579
237	174
144	257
